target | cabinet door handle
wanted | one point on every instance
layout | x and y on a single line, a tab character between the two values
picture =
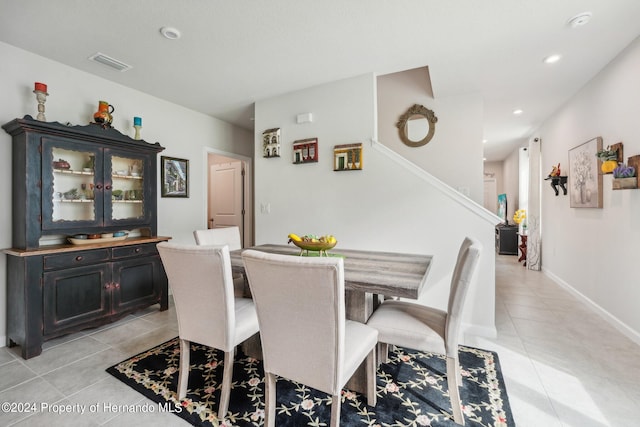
107	285
116	285
98	186
79	258
137	250
107	187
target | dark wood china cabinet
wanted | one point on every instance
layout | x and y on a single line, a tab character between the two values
76	189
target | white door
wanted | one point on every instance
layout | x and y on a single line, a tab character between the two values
226	195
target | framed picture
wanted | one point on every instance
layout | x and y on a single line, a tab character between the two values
174	177
305	151
502	208
347	157
585	179
271	143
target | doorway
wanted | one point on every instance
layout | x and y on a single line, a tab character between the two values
228	192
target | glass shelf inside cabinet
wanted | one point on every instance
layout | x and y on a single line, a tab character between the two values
127	194
73	183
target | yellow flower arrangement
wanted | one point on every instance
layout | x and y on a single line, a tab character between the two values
519	216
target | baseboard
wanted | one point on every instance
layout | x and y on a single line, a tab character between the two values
610	318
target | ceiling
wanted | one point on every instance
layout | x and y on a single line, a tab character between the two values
233	53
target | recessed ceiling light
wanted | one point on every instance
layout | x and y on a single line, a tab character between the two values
518	112
170	33
580	19
484	141
552	59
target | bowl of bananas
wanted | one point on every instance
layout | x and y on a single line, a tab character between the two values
312	242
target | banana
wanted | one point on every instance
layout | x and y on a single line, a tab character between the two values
294	237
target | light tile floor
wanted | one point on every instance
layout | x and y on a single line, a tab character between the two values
563	365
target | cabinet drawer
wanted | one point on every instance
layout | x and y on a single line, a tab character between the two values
74	259
134	250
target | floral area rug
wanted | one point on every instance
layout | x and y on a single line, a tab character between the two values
412	390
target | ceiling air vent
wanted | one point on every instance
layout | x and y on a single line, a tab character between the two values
110	62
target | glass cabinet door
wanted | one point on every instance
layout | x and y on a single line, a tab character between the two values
87	188
72	188
126	173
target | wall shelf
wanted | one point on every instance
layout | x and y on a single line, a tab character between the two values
558	181
625	183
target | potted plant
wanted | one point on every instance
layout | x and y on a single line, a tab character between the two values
624	177
609	159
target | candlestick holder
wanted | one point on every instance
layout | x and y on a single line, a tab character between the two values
137	125
41	97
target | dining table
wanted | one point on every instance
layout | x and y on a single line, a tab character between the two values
369	277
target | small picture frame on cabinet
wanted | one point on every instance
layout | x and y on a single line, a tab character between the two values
174	177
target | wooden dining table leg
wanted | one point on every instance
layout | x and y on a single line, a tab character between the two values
359	306
252	347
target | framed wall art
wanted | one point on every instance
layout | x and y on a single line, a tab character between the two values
585	179
174	177
347	157
271	143
305	151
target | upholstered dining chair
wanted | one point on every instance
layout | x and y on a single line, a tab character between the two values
412	325
219	236
305	336
224	236
207	311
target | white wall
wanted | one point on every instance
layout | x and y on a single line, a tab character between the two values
523	178
594	251
73	97
507	173
511	183
382	207
495	170
452	155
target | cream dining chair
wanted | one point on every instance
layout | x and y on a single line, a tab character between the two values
305	336
225	236
219	236
207	312
419	327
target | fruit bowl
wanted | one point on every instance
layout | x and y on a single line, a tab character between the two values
314	246
313	243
